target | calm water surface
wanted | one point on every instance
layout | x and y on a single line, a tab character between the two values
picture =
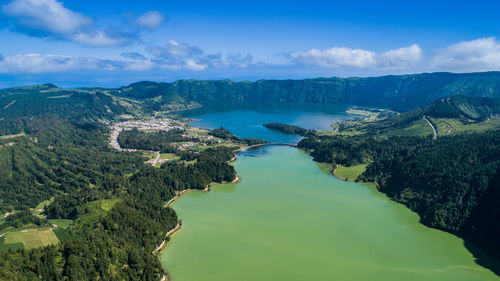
289	220
248	123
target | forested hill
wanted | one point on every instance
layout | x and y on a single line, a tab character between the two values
451	181
92	212
401	93
21	107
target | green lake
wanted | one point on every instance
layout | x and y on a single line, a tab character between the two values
288	219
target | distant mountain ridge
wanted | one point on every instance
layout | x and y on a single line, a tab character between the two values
401	92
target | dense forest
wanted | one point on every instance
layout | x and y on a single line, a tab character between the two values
157	141
124	235
64	157
60	152
289	129
227	135
401	93
54	147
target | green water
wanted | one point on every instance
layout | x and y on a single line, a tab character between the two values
289	220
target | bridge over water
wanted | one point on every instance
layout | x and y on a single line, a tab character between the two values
266	144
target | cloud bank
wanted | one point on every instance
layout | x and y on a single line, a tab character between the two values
49	18
476	55
338	57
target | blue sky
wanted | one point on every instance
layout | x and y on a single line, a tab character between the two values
111	43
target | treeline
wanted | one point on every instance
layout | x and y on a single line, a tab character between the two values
451	182
72	162
290	129
222	134
21	218
398	92
63	158
227	135
349	151
157	141
466	109
121	245
20	108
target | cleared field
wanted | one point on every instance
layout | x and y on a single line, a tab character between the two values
6	247
419	128
149	155
449	126
44	203
168	156
367	114
62	223
32	238
351	173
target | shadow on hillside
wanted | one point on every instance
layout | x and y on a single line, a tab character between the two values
483	258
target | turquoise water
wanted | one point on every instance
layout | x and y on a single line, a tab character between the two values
248	123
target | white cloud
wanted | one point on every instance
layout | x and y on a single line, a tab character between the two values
338	57
49	18
401	58
335	57
151	20
40	63
48	15
37	63
192	65
98	38
477	55
175	49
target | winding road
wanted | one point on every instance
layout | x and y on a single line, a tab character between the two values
432	126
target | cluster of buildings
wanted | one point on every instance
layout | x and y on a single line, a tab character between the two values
153	124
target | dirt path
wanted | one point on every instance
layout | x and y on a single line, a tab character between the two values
335	173
156	159
450	129
432	126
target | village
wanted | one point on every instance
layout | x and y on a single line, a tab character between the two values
200	138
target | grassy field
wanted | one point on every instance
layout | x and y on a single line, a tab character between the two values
350	173
169	156
149	155
44	203
6	247
450	126
369	115
31	238
419	128
62	223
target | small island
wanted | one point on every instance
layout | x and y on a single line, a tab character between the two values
290	129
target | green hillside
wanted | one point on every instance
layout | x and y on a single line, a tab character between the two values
452	115
401	93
